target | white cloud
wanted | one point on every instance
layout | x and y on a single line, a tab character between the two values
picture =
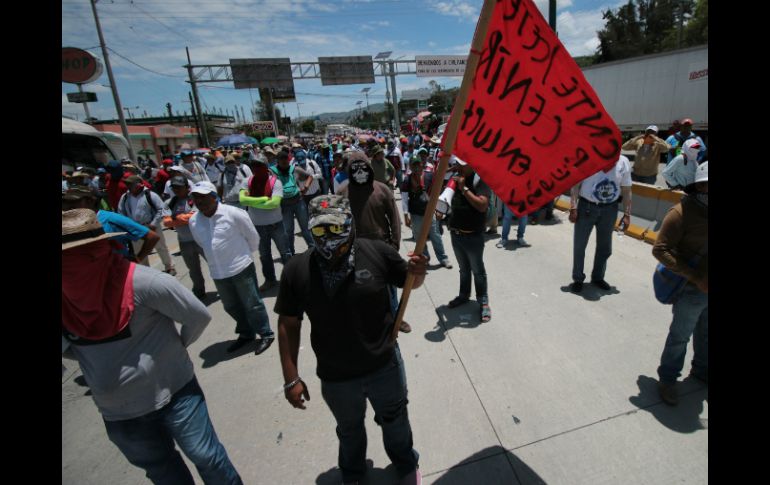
457	8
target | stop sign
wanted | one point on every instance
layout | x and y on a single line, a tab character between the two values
79	66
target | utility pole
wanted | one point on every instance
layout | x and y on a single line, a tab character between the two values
681	22
243	115
237	116
114	87
170	114
395	99
195	117
203	133
85	105
552	14
272	108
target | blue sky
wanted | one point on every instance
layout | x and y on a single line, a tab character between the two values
154	33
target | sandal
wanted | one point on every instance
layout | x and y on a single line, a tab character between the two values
486	313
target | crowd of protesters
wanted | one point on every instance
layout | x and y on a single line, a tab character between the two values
227	203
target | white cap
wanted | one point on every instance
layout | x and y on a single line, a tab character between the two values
702	172
204	188
458	161
652	127
691	148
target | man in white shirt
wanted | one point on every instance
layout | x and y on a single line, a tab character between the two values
598	196
228	239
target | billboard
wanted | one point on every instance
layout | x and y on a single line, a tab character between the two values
263	126
412	94
346	70
262	73
440	65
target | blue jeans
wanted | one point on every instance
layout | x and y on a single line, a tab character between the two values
240	297
148	441
298	210
590	215
277	234
190	254
386	390
645	179
691	317
433	235
508	220
469	251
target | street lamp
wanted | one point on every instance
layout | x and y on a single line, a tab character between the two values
382	56
366	92
128	109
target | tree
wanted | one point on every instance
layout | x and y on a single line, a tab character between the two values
307	126
651	26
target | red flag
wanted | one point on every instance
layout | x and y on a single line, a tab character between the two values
532	126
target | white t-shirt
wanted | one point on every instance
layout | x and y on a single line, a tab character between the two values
604	188
228	239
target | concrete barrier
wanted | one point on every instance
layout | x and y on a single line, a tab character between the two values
649	206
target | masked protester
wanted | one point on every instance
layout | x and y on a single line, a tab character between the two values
118	323
374	209
682	246
351	321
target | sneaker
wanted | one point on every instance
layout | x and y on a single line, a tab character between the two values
267	285
405	327
486	313
501	243
522	243
445	263
492	230
239	343
414	478
171	271
201	295
668	393
576	286
263	344
457	301
601	284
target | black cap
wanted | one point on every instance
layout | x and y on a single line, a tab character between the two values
178	181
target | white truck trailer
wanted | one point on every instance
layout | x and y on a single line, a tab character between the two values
655	90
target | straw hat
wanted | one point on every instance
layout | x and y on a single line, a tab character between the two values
80	226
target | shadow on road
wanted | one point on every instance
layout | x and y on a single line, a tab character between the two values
682	418
479	468
214	354
591	292
466	315
374	476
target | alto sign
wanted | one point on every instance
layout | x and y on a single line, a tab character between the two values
79	66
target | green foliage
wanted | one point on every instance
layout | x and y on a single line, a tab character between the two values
307	126
650	26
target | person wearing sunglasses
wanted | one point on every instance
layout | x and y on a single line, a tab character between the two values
342	286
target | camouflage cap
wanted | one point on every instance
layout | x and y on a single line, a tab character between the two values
376	151
330	209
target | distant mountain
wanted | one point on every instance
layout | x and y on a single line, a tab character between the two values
341	117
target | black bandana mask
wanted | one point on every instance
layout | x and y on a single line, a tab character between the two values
331	247
359	173
336	257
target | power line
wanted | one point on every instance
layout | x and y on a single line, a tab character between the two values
140	66
161	23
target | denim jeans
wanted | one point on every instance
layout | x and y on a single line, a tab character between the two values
386	390
277	234
469	251
508	220
240	297
645	179
433	235
590	215
298	210
148	441
691	317
190	252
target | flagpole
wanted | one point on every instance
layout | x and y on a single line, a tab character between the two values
450	134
